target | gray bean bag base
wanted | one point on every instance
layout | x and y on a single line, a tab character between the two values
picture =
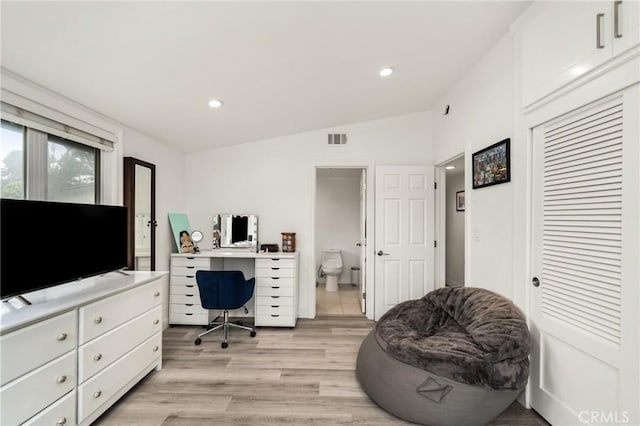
454	357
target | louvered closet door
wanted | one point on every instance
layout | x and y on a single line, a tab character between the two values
585	255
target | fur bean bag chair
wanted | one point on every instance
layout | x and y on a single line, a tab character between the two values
458	356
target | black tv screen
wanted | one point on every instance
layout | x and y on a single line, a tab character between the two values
45	243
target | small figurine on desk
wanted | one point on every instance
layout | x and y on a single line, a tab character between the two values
186	245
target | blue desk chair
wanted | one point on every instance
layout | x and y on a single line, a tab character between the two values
224	290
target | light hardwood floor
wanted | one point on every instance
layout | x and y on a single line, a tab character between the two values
301	376
345	301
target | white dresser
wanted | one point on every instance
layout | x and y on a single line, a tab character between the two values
275	301
78	348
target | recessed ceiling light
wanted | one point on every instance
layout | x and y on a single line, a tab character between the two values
450	167
215	103
386	72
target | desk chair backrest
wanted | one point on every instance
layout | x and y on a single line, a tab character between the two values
224	289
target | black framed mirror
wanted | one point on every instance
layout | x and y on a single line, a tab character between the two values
140	200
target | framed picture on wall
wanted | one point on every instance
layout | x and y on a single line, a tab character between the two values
460	201
492	165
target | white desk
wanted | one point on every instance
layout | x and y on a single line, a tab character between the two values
275	298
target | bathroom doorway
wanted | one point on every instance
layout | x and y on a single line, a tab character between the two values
340	242
450	223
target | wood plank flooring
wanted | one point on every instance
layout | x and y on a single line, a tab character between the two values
301	376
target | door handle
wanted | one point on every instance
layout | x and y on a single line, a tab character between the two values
599	44
358	244
616	19
381	253
535	281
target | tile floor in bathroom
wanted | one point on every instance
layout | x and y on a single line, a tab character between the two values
345	301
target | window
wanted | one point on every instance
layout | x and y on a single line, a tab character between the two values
12	157
40	166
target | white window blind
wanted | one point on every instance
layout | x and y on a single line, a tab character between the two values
44	124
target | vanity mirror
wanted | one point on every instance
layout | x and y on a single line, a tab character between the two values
237	230
140	200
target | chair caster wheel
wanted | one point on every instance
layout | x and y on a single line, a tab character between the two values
253	334
198	341
224	345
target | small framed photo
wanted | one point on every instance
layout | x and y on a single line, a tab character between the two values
492	165
460	201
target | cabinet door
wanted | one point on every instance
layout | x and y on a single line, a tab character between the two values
560	43
626	27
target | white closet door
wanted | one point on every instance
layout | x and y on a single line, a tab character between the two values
403	235
585	256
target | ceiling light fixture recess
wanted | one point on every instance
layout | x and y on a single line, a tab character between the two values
215	103
450	167
386	72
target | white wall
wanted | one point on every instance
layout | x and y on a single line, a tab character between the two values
481	114
338	220
170	186
273	178
455	232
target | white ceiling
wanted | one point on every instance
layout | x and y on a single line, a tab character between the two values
458	163
338	173
280	68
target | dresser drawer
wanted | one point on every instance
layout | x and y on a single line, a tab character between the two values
274	301
274	311
60	413
274	272
185	289
274	291
97	390
188	318
274	281
28	348
275	321
186	298
187	271
37	390
188	308
201	262
275	263
184	280
100	317
102	351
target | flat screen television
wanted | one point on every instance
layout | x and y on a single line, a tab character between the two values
43	244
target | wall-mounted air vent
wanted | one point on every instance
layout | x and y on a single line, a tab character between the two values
337	139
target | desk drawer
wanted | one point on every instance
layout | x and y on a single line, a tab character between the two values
188	308
97	390
100	317
275	263
274	282
274	311
101	352
37	390
184	280
274	291
27	349
62	412
274	301
186	298
187	271
185	289
201	262
275	321
188	318
274	272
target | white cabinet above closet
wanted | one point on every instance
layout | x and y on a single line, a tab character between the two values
562	41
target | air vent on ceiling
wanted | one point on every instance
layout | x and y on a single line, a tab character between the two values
337	139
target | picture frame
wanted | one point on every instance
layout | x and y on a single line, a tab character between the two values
460	201
181	232
492	165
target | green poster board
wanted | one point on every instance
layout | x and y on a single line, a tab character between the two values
179	222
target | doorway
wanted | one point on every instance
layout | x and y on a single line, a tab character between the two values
450	204
340	240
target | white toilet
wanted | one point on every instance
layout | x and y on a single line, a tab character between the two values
332	267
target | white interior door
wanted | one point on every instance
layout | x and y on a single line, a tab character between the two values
403	235
363	239
585	257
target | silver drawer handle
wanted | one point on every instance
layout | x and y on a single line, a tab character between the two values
156	294
62	336
97	357
61	422
97	394
97	320
155	348
275	316
155	322
61	379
